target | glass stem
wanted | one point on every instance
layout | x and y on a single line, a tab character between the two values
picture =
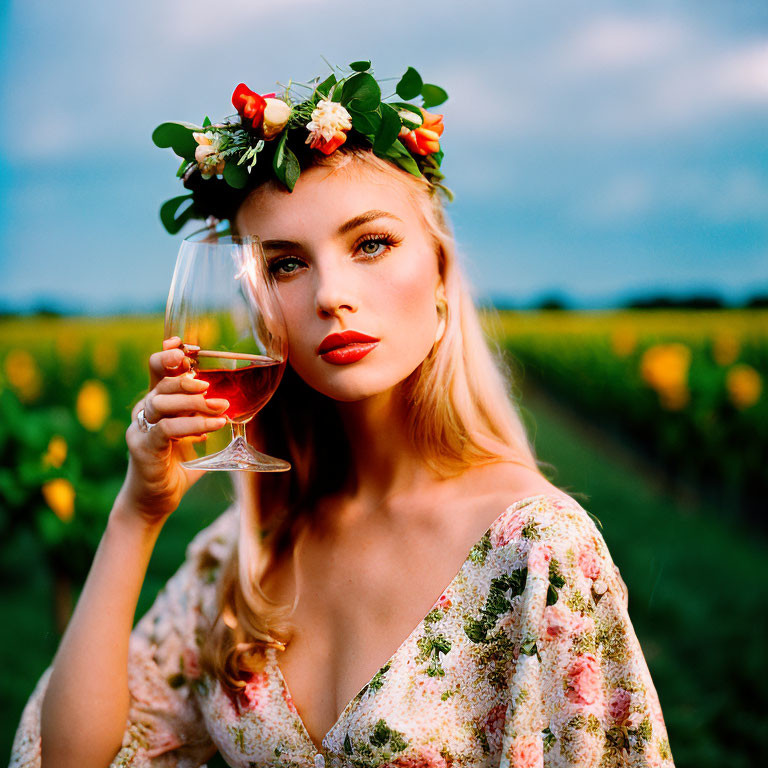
238	430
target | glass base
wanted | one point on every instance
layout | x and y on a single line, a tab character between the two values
238	455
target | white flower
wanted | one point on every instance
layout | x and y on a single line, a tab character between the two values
328	117
276	115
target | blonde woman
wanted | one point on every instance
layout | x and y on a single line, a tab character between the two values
414	592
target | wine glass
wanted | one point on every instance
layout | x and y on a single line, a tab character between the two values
224	309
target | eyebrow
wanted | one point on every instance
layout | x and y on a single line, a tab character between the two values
348	226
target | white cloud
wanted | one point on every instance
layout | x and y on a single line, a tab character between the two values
615	42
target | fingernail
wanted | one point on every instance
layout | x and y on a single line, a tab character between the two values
217	404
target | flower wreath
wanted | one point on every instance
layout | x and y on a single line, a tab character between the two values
273	136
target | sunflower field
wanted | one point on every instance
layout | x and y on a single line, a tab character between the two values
687	388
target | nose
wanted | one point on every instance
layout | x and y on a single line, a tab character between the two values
333	293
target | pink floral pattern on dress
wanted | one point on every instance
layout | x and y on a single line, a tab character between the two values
528	659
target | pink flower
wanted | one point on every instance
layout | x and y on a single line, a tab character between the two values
618	707
579	624
527	752
584	680
556	620
589	564
508	530
494	726
255	691
538	560
428	757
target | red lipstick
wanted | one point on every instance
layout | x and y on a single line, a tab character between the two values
346	347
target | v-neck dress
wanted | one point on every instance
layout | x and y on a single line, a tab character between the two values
527	659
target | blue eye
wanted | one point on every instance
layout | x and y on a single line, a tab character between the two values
375	246
277	267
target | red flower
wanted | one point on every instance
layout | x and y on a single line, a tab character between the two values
249	105
425	139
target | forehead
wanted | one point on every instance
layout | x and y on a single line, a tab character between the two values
322	200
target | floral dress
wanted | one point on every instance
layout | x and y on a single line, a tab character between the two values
527	659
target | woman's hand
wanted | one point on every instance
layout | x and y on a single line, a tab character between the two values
156	480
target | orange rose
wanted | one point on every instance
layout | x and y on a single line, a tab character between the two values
425	139
316	141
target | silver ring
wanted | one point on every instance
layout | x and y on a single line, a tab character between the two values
143	424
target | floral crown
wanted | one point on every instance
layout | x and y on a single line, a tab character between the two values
275	136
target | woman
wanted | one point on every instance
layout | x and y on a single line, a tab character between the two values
413	592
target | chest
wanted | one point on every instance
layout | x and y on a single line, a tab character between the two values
434	684
360	598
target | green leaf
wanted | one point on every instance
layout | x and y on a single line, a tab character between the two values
325	87
360	66
235	175
177	136
293	169
410	84
366	123
408	164
365	91
286	164
336	92
206	121
388	130
410	108
182	168
433	95
278	160
172	220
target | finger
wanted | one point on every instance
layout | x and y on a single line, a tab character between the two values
173	341
171	385
183	426
169	362
157	406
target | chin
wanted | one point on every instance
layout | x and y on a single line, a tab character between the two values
350	389
351	383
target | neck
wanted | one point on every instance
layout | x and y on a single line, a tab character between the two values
384	461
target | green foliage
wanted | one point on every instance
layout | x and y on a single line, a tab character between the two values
235	175
177	136
239	144
361	93
410	84
432	95
172	220
285	163
388	130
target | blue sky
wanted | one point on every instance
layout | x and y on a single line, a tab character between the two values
597	149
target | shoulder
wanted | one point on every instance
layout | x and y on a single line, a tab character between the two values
555	527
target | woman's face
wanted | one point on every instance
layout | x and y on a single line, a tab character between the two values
348	251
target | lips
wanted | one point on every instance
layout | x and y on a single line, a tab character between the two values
337	340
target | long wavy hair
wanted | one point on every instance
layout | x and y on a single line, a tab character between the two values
460	410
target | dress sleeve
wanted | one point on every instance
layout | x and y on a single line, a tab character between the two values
165	727
580	691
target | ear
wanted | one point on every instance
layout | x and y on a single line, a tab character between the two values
442	311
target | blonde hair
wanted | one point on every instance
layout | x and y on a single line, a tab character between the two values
460	414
